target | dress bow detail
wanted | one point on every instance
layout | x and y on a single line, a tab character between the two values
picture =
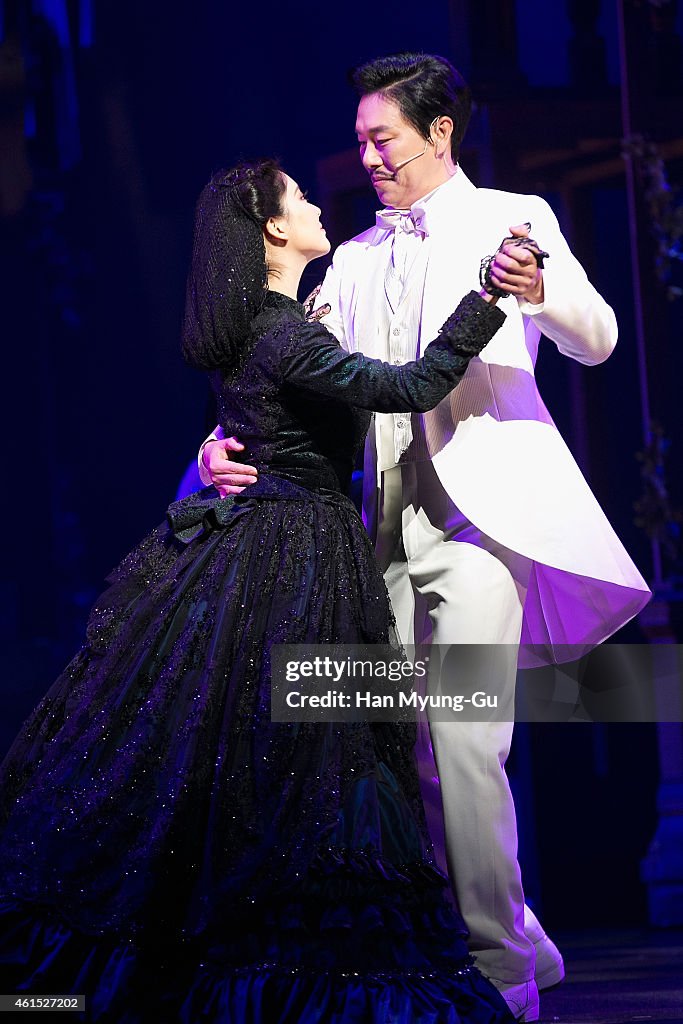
198	513
205	511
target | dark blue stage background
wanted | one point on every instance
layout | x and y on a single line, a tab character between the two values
112	116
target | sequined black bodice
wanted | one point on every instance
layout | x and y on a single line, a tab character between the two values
310	439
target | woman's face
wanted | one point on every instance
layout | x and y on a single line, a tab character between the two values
306	234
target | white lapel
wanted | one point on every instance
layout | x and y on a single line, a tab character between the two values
453	260
468	225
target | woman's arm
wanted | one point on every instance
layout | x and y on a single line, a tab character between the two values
314	362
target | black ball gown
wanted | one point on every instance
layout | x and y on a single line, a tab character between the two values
165	848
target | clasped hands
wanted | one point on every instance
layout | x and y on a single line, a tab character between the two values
513	269
516	269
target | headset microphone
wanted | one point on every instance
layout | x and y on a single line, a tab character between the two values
417	155
411	158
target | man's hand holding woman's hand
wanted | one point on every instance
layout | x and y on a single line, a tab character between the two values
515	270
226	476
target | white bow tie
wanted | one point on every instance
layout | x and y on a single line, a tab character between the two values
412	222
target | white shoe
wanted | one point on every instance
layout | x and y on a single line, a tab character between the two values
549	963
522	999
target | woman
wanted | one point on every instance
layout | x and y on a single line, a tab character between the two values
167	849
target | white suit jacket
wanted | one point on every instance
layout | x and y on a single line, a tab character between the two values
492	442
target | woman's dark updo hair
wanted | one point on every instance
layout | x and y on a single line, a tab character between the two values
228	278
259	186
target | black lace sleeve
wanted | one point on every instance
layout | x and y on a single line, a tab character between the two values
313	361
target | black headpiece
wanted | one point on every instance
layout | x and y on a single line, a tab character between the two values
226	286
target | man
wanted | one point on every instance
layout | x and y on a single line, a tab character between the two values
478	510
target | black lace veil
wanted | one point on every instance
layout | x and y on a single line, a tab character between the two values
227	282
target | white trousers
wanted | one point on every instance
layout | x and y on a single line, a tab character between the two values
447	578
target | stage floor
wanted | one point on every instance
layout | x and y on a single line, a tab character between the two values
618	977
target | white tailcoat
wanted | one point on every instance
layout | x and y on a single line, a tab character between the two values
492	442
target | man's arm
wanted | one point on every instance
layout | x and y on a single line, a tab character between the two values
571	312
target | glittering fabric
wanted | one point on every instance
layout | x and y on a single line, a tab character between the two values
166	848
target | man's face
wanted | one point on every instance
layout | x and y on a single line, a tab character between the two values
386	139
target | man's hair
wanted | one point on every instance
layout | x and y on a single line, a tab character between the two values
423	86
